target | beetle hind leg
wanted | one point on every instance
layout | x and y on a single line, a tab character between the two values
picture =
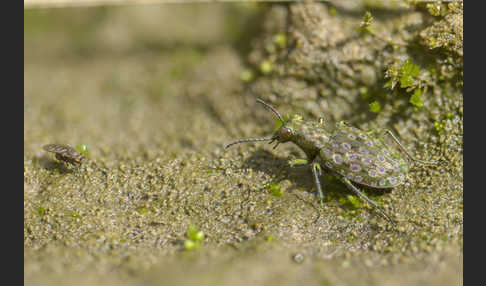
350	185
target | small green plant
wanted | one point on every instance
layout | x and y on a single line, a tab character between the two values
416	98
274	189
375	107
266	67
364	27
439	127
280	40
82	149
194	238
353	201
408	75
41	211
246	75
436	9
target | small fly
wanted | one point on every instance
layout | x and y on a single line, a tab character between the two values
65	153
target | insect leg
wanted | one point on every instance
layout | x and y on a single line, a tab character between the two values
316	171
298	162
348	183
406	152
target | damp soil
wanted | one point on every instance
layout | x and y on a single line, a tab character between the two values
155	93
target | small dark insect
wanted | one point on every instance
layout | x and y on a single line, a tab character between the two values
353	155
65	153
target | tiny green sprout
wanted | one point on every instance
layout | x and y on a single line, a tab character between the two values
75	215
246	75
82	148
195	237
353	201
142	210
364	92
274	189
194	234
449	115
416	98
409	72
364	27
436	9
191	245
280	40
350	238
375	107
270	238
333	11
266	67
439	127
40	210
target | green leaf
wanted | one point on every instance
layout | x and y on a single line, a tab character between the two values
416	98
409	73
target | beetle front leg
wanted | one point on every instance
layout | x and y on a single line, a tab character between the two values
298	162
316	171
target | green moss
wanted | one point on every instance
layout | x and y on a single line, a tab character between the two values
142	210
375	107
280	40
439	127
351	202
409	73
266	67
436	9
194	234
366	21
416	98
246	75
82	149
40	210
190	245
195	237
333	11
364	92
274	189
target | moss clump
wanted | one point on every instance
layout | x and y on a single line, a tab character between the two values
194	238
375	107
416	98
274	189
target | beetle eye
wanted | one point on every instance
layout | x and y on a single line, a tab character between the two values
285	133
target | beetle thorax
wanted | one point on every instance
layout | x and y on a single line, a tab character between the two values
309	136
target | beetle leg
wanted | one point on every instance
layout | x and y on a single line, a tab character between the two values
298	162
316	171
350	185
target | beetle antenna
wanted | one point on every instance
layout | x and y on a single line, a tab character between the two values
272	109
250	140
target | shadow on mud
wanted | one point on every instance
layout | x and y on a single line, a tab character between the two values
301	178
46	162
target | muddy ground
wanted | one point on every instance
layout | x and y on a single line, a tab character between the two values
155	93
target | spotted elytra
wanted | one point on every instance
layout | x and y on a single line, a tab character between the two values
65	153
353	155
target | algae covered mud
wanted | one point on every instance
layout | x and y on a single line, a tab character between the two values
158	199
